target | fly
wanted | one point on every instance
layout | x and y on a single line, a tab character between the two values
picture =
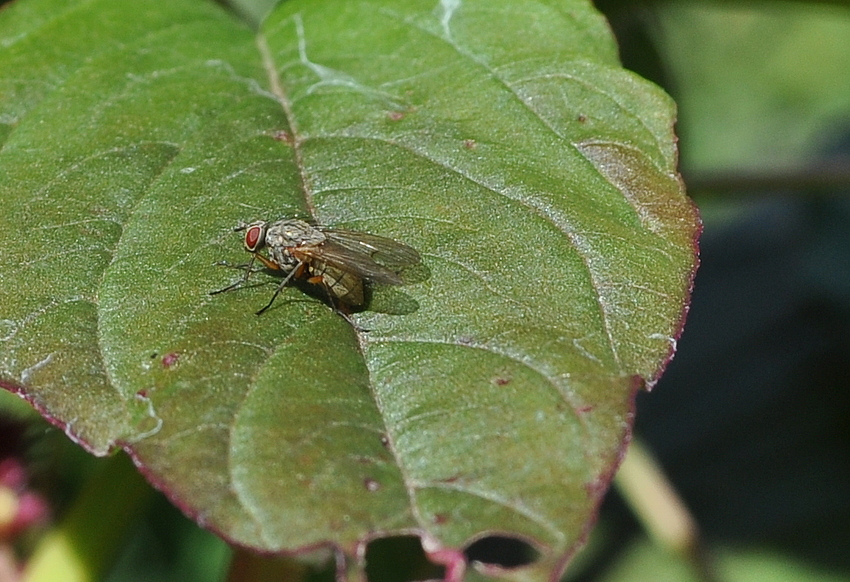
340	261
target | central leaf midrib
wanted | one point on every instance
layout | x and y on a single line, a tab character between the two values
278	90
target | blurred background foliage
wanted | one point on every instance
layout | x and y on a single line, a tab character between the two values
751	422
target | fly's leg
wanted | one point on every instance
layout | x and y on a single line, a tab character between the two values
341	308
328	287
249	270
240	282
297	270
337	304
347	317
243	266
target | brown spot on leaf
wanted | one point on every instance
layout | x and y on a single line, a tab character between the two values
170	359
654	192
282	135
452	479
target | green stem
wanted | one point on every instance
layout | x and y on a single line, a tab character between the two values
657	505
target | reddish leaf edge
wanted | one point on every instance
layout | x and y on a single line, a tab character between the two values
452	559
689	292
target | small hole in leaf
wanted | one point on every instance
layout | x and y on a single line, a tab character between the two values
502	551
399	559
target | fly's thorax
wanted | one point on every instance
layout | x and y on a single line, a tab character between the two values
293	233
283	258
284	237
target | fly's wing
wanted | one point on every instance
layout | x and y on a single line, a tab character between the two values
352	261
384	251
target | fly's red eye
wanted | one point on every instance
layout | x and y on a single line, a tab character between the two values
253	238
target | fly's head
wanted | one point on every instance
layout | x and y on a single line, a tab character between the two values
255	236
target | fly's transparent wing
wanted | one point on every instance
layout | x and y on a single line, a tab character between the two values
348	260
384	251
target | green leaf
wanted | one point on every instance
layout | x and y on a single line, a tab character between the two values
493	394
643	560
761	89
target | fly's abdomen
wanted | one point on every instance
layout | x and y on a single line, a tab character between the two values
345	286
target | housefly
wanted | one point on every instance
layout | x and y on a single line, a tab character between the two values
338	260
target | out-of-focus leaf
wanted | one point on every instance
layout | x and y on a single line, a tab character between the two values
645	561
536	178
760	86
